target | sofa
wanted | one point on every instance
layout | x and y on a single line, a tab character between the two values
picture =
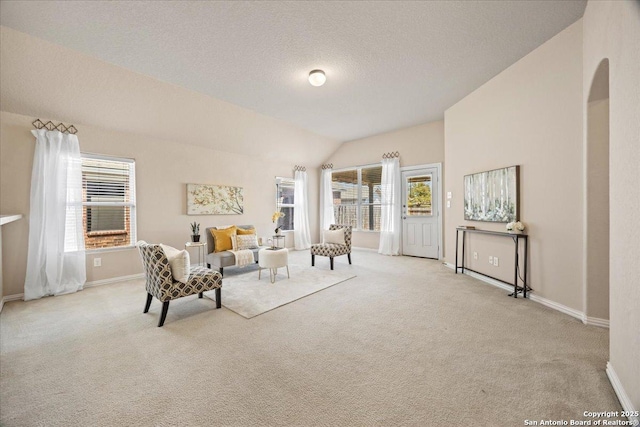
220	260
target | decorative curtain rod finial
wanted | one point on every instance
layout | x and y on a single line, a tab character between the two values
391	155
39	124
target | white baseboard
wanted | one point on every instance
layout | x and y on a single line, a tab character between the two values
557	306
8	298
482	278
623	397
118	279
603	323
361	248
114	280
595	321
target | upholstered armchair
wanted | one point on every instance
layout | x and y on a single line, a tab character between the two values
160	282
333	249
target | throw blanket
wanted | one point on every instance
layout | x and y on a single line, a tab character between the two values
243	257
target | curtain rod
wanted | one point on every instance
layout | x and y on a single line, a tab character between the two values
390	155
39	124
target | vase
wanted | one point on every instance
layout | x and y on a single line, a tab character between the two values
277	231
195	238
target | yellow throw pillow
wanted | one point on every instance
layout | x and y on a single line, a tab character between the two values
222	239
243	231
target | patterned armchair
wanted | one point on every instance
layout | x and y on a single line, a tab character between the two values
160	283
333	249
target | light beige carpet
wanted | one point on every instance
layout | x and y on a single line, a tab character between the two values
244	294
405	343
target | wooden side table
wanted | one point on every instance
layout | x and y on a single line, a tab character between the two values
201	254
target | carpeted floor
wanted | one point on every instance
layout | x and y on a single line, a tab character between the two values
250	297
405	343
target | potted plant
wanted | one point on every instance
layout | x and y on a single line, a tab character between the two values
274	218
195	232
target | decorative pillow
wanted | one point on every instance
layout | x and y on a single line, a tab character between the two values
179	262
247	241
222	238
333	236
242	231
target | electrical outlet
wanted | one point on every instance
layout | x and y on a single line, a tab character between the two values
448	194
475	255
490	260
495	261
97	262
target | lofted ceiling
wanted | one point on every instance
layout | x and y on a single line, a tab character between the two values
389	64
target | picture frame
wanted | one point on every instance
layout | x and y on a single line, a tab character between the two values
492	196
208	199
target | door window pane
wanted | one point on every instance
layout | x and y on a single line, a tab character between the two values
419	195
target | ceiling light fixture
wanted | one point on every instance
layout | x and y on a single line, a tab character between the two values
317	77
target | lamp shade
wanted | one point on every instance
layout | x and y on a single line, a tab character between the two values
317	77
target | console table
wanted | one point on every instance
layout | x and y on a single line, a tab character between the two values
516	239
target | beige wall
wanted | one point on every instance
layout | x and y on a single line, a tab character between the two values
612	30
528	115
417	145
597	210
175	135
163	168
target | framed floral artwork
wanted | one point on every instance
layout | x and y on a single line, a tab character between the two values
492	195
206	199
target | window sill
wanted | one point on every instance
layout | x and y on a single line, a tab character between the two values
113	249
106	233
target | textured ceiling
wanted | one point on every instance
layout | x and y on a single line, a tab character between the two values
389	64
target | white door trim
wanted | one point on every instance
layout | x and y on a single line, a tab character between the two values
438	167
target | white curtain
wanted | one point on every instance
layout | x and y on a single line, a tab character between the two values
390	222
56	256
327	216
301	235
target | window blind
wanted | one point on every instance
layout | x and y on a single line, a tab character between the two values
109	197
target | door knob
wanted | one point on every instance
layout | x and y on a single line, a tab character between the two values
404	217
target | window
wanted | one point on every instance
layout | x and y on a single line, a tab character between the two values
356	197
419	195
285	191
108	196
371	183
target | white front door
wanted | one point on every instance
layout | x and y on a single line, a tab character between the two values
420	225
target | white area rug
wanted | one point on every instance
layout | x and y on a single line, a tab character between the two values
246	295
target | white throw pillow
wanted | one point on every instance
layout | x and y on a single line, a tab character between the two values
333	236
179	262
246	241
